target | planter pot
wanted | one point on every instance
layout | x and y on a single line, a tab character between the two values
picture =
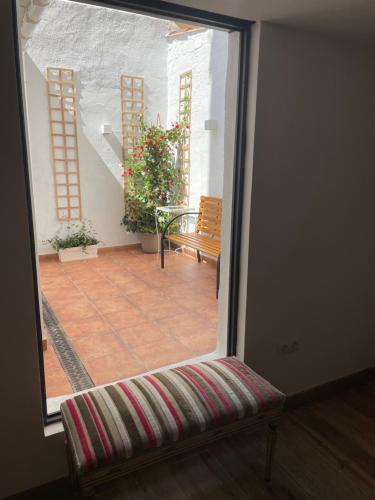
78	253
149	242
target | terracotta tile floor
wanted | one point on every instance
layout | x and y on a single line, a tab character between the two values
124	315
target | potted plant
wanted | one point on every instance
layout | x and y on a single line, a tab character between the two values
79	242
153	179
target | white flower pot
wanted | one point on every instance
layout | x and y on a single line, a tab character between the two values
78	253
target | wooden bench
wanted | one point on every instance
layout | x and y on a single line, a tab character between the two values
128	425
207	236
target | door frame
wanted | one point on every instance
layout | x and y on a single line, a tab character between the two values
212	20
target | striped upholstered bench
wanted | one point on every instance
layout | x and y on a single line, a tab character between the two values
127	425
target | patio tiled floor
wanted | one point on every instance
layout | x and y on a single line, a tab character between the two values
124	315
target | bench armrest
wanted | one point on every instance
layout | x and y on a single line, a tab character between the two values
174	218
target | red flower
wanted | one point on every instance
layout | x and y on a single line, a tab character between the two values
187	125
130	171
177	125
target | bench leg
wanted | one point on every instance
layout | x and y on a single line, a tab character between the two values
162	252
217	276
271	442
87	492
198	255
71	467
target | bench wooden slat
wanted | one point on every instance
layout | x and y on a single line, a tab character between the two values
208	229
210	202
197	245
194	242
211	198
209	220
211	211
197	242
198	238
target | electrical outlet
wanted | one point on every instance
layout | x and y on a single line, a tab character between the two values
284	348
294	345
289	346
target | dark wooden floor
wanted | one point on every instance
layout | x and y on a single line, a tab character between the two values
326	451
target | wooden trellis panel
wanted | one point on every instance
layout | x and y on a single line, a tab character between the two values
185	94
132	111
63	126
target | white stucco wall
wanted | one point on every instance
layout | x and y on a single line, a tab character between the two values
205	52
100	45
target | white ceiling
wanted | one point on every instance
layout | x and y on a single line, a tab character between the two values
349	18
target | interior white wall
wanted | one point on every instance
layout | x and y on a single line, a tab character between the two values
112	43
30	458
205	52
311	273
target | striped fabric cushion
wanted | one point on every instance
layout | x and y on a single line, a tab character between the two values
122	420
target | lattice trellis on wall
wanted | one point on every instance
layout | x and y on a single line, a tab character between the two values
185	93
132	111
63	126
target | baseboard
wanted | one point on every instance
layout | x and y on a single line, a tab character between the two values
118	248
48	257
48	490
329	388
101	251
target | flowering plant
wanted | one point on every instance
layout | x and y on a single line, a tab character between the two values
153	177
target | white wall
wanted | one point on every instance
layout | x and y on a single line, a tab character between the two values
205	52
312	244
115	43
112	43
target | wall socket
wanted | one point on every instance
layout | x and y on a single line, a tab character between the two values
288	346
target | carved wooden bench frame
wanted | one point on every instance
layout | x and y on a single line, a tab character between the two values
87	482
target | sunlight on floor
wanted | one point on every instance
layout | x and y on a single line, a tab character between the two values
123	315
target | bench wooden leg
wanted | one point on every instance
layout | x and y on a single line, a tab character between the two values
198	255
71	468
271	442
87	492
